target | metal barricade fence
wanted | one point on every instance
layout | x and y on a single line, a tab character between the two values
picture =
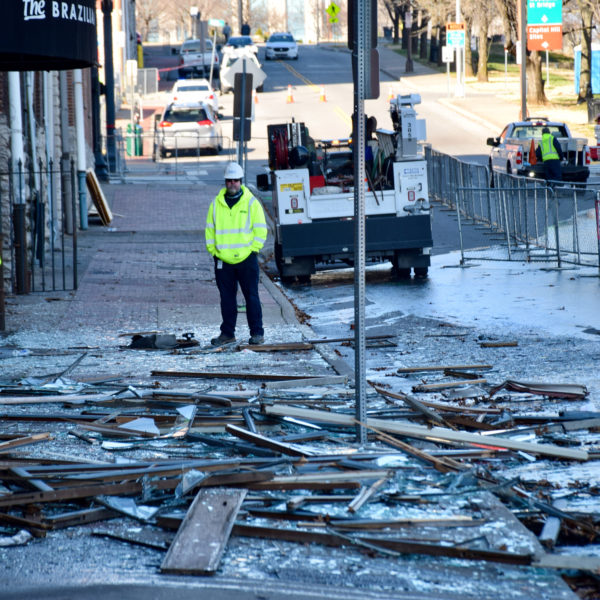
534	221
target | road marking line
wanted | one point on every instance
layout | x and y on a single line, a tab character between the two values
340	111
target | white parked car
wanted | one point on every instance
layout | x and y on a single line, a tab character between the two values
281	45
195	90
188	127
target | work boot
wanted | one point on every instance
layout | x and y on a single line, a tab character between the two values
222	340
256	340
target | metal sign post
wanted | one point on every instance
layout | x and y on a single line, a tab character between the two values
360	17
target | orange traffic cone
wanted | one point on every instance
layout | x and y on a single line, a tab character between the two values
532	156
290	98
322	96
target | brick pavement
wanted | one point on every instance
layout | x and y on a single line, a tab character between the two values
148	271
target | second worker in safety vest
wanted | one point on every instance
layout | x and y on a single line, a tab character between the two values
551	154
235	232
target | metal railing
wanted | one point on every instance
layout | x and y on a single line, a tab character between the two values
134	143
39	236
532	219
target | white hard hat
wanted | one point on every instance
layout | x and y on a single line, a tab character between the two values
234	171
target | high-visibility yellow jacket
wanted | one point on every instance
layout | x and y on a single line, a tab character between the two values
547	147
232	234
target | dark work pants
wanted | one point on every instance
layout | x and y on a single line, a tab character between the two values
246	275
553	170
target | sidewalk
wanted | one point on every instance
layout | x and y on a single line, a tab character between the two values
148	272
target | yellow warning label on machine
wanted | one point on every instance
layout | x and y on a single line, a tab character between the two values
291	187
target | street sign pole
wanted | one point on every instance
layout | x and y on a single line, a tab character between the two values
362	17
459	52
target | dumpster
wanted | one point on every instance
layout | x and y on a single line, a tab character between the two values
134	140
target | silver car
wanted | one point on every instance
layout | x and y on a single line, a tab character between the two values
188	127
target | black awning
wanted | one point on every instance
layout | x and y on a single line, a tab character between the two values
47	35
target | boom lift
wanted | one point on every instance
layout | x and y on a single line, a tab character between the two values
312	184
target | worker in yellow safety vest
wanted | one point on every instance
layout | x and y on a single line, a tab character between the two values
235	232
551	154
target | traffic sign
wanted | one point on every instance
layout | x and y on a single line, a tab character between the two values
542	12
455	35
544	37
332	10
216	23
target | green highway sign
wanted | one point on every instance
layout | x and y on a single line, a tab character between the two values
542	12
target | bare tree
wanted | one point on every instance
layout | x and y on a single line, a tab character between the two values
587	8
533	67
148	12
396	10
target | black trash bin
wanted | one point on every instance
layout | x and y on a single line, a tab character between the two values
593	106
387	33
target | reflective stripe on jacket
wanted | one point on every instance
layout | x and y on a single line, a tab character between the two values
232	234
547	147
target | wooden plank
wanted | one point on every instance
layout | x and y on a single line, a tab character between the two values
219	375
430	387
498	344
201	539
24	441
265	442
444	407
418	406
98	197
564	561
443	368
441	464
438	434
311	381
551	528
364	495
286	347
398	545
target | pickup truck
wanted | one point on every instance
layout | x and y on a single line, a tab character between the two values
193	62
511	150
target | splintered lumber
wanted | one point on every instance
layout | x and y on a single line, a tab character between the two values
552	390
364	495
444	407
430	387
442	464
220	375
438	434
203	534
418	406
498	344
551	528
265	442
24	441
443	368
